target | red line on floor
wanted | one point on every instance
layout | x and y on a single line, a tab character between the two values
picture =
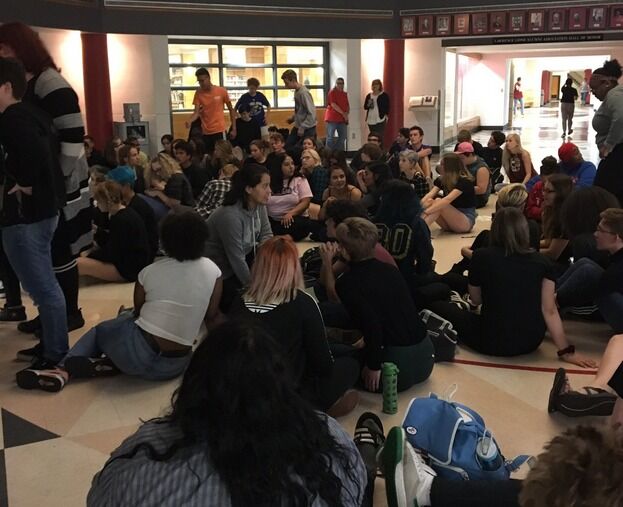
522	367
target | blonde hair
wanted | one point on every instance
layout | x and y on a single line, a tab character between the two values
517	139
358	237
276	274
168	167
228	170
453	169
313	154
514	195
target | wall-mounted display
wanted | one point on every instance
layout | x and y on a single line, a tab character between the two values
616	16
536	21
517	22
408	26
577	18
479	23
497	22
425	26
443	25
557	20
597	17
461	24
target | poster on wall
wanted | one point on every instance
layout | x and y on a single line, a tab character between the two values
517	21
443	25
616	16
557	18
498	22
479	23
407	26
597	18
425	26
536	21
461	24
577	18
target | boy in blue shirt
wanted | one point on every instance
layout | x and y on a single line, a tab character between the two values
256	101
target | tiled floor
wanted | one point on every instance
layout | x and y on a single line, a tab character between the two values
51	445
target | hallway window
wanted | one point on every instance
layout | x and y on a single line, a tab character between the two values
231	64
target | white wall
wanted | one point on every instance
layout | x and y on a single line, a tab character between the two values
424	69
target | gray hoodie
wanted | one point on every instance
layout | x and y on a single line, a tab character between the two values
234	232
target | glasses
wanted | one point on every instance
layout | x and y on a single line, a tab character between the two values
601	229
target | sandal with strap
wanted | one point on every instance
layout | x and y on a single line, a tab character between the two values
588	401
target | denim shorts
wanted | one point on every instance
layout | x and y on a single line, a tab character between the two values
470	213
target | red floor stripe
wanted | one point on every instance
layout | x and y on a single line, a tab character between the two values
522	367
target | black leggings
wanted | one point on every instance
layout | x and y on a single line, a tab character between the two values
451	493
324	392
300	228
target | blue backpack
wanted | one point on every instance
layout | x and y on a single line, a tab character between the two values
451	435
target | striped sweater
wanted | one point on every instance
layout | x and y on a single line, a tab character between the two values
52	93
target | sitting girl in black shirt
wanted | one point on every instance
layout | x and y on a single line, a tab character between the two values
456	211
168	183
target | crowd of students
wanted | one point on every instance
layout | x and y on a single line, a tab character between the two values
223	220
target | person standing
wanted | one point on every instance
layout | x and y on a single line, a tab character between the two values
584	92
48	90
336	116
258	105
209	102
376	105
518	97
608	125
567	106
32	196
304	117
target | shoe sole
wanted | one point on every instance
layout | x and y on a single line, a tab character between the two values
392	458
29	379
83	367
559	381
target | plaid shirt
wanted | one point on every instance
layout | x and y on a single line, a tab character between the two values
419	183
212	197
318	182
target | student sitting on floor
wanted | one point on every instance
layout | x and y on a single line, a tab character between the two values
237	435
534	206
275	299
456	210
379	304
479	170
371	180
411	172
172	297
509	267
554	244
127	250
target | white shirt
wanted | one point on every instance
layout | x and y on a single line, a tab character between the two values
373	112
177	295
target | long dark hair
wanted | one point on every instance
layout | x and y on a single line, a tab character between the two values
28	46
237	404
399	204
580	212
551	215
249	176
382	173
274	164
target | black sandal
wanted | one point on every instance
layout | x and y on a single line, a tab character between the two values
592	401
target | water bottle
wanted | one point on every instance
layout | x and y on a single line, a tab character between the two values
488	454
390	388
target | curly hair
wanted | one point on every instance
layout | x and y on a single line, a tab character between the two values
580	468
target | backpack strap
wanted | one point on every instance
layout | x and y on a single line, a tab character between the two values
512	465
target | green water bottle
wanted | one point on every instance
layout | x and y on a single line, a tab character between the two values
390	388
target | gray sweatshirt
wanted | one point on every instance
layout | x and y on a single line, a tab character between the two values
304	109
608	119
234	232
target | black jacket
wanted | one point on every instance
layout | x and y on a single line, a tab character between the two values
31	160
382	101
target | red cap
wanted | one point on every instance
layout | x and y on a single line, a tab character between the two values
566	152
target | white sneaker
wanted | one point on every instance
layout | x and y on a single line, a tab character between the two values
408	480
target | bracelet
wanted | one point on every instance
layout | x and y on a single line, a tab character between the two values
567	350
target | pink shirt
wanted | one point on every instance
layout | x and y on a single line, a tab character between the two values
279	205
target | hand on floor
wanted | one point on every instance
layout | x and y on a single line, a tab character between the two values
580	360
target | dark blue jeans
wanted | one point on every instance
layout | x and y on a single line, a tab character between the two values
578	285
28	248
340	129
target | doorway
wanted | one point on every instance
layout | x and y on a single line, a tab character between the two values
554	87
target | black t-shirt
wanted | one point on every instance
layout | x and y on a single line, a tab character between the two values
493	157
379	302
246	131
178	188
512	319
612	279
146	212
298	328
197	177
467	199
569	94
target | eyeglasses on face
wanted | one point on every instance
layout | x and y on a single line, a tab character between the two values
604	231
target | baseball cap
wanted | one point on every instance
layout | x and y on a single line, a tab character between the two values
566	152
464	147
124	175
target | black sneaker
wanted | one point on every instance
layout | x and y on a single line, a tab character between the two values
570	131
31	354
30	326
12	313
369	439
47	377
85	367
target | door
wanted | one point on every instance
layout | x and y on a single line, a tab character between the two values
555	90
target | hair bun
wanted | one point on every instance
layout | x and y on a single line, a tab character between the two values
613	68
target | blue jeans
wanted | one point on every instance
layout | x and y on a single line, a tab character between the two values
515	102
578	285
123	342
611	309
294	138
28	248
341	130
